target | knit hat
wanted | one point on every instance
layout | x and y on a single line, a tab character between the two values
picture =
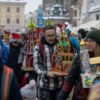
94	35
15	36
29	90
6	34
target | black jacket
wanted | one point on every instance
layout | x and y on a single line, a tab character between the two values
12	62
13	55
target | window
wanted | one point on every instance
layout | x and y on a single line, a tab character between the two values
17	21
73	2
8	9
57	1
75	13
17	9
56	11
92	1
97	17
17	30
8	20
61	2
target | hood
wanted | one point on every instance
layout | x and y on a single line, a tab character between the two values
44	41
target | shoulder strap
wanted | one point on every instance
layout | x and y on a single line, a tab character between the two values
41	50
6	81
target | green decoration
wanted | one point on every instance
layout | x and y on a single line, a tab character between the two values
64	43
31	25
49	23
88	81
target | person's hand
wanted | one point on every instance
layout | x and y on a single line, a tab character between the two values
50	74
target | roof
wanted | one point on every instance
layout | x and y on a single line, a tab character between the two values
90	24
13	1
55	17
94	8
57	5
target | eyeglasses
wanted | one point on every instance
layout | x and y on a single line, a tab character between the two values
53	35
50	36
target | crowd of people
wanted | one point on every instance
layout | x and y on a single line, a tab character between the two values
47	86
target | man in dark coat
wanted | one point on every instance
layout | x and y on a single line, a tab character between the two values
13	56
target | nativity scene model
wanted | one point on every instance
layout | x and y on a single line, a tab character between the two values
62	57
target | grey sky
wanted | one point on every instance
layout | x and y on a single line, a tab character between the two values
32	5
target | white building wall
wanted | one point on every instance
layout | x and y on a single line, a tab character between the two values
92	16
86	15
13	15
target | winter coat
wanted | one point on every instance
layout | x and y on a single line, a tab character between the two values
42	59
4	52
13	57
74	80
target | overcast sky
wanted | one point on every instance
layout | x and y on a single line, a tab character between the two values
32	5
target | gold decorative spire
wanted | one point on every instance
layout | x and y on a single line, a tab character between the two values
49	22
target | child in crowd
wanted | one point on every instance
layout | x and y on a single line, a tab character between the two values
29	92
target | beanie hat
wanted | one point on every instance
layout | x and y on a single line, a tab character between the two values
94	35
29	90
15	36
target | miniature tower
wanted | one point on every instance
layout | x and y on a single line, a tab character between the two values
62	57
28	59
